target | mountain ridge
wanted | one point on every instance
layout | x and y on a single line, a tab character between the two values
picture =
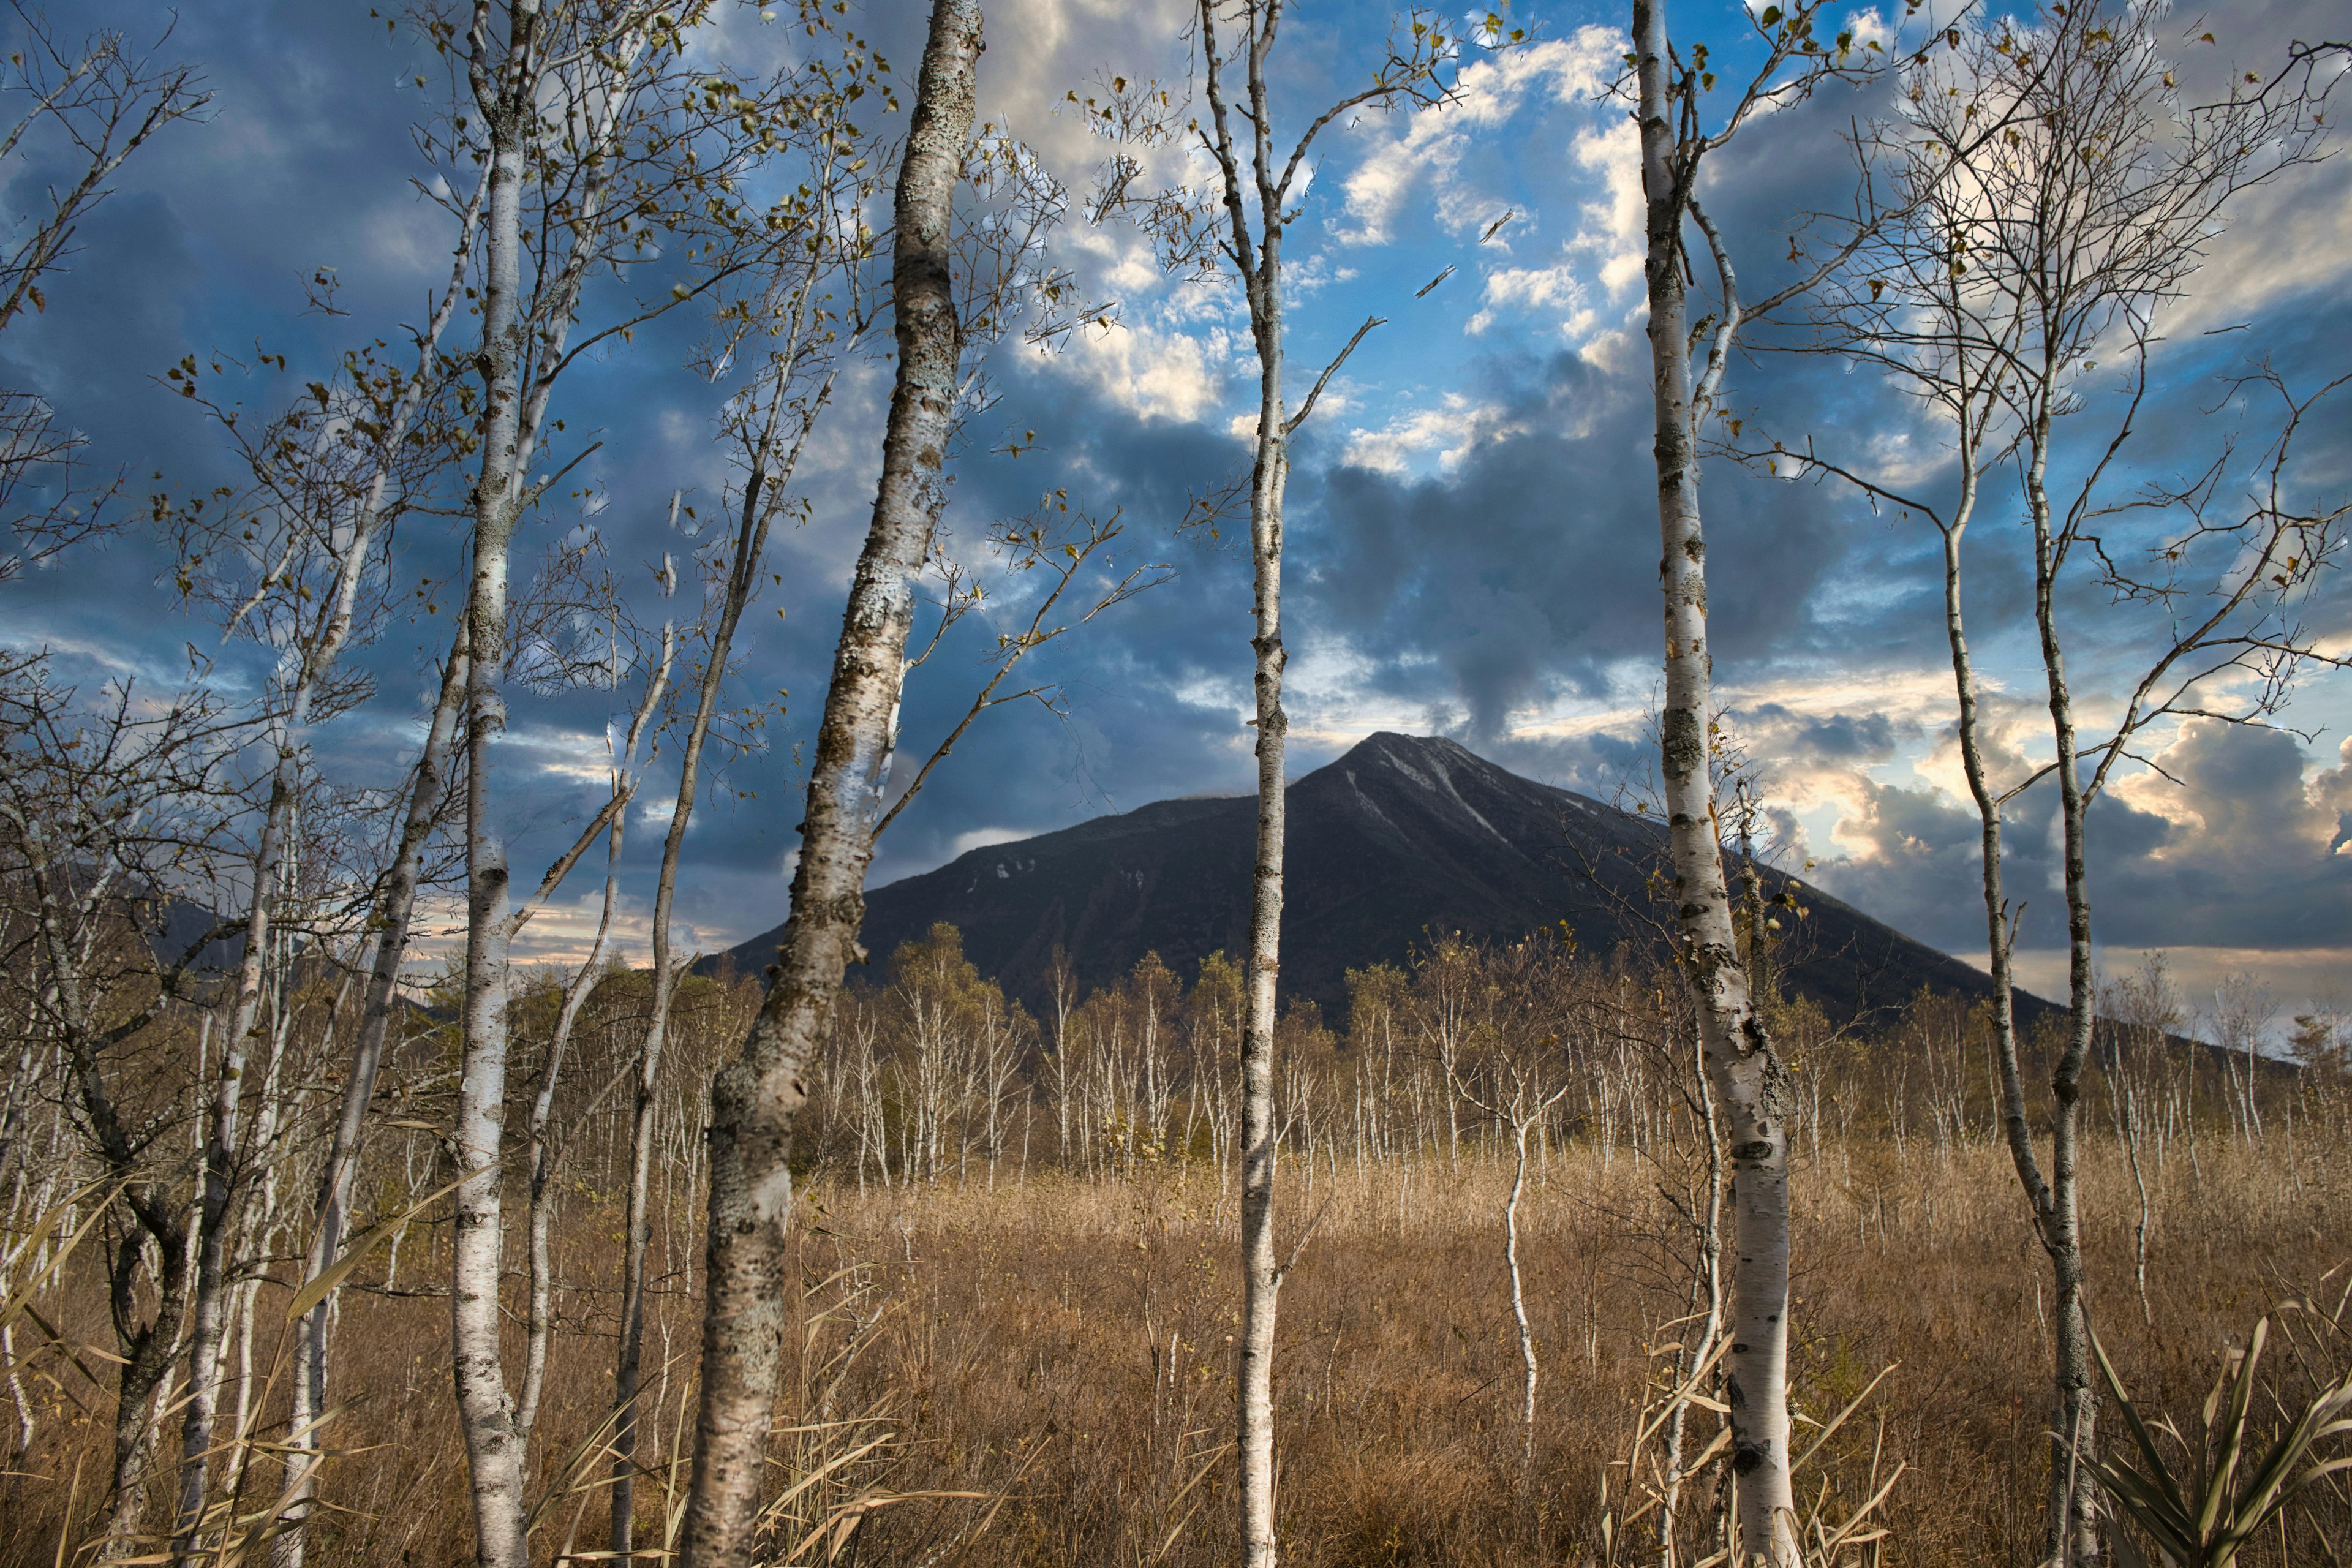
1401	839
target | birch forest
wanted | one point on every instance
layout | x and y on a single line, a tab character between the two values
390	1173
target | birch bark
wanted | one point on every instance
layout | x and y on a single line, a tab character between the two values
2070	1531
2073	1535
522	353
502	92
1753	1088
1522	1110
756	1098
1262	176
312	660
1261	269
749	550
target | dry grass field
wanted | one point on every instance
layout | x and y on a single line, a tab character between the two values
1042	1374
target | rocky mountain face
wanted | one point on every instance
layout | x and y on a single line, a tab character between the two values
1403	840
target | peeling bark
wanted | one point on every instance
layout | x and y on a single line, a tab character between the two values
1750	1081
486	1412
756	1098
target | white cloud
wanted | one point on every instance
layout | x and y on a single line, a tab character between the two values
1492	92
1611	229
1607	249
1120	259
407	236
1452	432
1156	373
981	838
1516	289
577	756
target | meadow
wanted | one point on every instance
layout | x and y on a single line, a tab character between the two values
1043	1372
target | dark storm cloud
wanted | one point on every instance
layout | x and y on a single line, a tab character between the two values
2255	868
1527	572
1851	738
1531	570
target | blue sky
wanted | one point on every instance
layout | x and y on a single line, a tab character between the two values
1472	509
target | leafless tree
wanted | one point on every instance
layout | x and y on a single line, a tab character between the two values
790	325
294	563
1752	1084
1241	221
962	280
1517	1085
109	811
542	1149
1988	276
600	142
85	109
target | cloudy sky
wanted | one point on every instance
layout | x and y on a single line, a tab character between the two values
1472	511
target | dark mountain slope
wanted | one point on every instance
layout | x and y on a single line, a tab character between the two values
1401	839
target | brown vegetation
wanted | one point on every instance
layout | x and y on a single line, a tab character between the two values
1011	1345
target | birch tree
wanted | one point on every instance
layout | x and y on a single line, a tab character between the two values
294	563
559	101
542	1149
1517	1089
960	280
1992	276
798	345
2115	223
604	147
1751	1083
390	914
756	1098
1240	220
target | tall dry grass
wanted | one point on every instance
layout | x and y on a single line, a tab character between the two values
1054	1360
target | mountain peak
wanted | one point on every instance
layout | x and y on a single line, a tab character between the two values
1392	744
1399	838
1431	754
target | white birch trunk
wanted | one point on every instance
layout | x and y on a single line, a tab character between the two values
393	911
2074	1536
756	1098
486	1412
1518	1296
2050	1204
1259	260
1751	1083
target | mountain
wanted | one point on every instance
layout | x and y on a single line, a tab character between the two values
1402	839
